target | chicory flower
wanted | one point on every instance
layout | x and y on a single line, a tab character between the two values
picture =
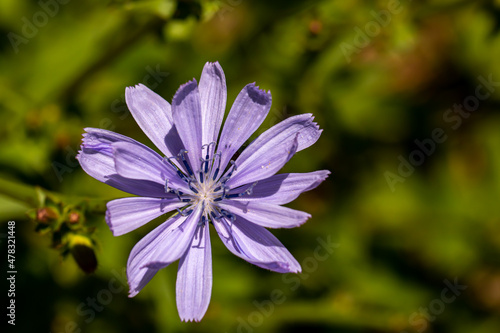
196	179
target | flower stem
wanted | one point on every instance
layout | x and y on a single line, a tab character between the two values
34	196
18	191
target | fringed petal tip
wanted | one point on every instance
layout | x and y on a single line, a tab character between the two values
191	319
99	140
107	218
86	136
298	223
184	91
315	124
137	91
257	95
214	66
296	270
138	86
321	176
132	291
214	63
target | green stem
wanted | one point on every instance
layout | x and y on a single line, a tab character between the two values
18	191
34	195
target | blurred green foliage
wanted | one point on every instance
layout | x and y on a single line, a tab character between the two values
377	75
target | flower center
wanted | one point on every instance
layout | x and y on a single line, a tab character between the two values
206	189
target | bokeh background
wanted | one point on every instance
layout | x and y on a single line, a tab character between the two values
403	222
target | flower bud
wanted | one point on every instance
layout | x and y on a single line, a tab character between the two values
46	215
73	217
82	250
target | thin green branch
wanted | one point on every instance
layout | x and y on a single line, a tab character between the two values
34	196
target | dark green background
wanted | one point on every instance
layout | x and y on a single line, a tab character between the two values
377	75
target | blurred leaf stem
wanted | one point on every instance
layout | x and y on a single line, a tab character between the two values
34	196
